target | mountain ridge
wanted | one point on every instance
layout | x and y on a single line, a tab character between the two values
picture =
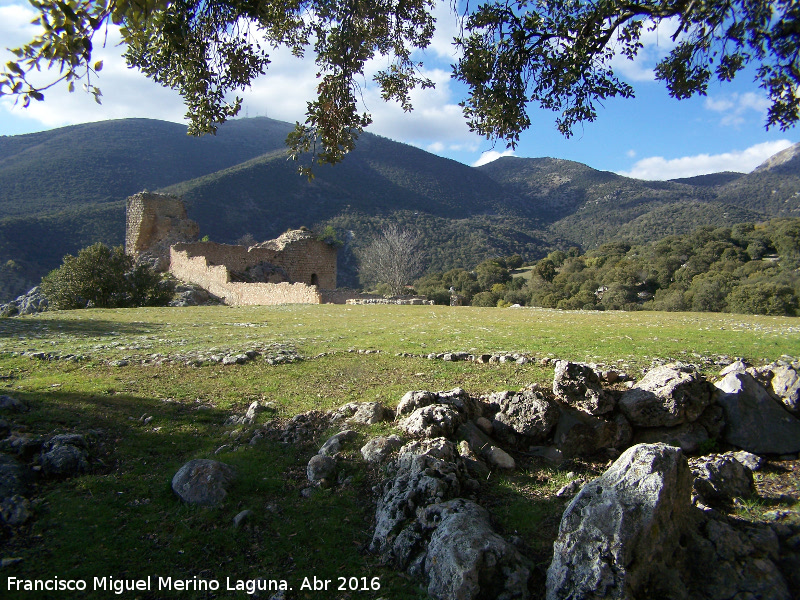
64	189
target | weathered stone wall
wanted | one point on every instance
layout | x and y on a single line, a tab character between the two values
153	223
215	278
305	264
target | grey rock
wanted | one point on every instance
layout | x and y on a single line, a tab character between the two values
65	455
756	422
334	444
722	478
737	366
527	414
321	470
203	481
579	386
748	459
369	413
497	457
688	437
713	420
485	425
550	453
15	510
255	409
570	489
466	559
666	396
12	477
618	535
581	434
430	421
419	480
440	448
411	401
380	448
786	385
240	517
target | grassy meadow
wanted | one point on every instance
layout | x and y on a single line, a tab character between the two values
122	519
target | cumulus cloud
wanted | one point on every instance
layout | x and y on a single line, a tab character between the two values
736	108
490	156
742	161
656	44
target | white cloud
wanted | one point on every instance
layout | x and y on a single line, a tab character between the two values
656	44
126	92
736	107
490	156
742	161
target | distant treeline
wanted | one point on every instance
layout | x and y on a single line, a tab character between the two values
748	268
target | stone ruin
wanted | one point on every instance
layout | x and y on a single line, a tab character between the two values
294	268
153	223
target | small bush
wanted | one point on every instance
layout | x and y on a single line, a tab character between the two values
104	278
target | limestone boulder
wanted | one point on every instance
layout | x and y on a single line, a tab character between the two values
466	559
666	396
362	413
579	386
581	434
65	455
334	444
12	477
380	448
786	385
722	478
528	414
202	481
434	420
456	398
321	470
618	537
755	420
419	480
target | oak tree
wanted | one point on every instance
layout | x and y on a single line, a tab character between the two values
554	53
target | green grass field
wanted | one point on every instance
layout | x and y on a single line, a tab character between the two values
122	520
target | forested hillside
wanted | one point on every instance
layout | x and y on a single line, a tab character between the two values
64	189
748	268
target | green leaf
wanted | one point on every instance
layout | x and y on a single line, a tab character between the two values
98	66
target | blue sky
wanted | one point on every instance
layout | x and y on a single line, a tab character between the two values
650	137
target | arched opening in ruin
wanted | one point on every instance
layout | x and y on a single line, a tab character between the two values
314	279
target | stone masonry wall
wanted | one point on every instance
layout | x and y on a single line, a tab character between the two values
215	278
153	223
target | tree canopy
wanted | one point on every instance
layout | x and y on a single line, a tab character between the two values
555	53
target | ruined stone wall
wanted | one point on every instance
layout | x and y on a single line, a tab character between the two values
303	258
153	223
189	264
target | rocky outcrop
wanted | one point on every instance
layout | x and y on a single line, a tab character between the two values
203	481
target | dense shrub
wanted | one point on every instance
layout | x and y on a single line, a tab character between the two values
763	298
103	277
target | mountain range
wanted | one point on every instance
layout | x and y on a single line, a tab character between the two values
64	189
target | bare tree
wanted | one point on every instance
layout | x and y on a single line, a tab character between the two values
395	257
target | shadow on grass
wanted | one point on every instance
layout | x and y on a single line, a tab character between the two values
89	327
122	520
